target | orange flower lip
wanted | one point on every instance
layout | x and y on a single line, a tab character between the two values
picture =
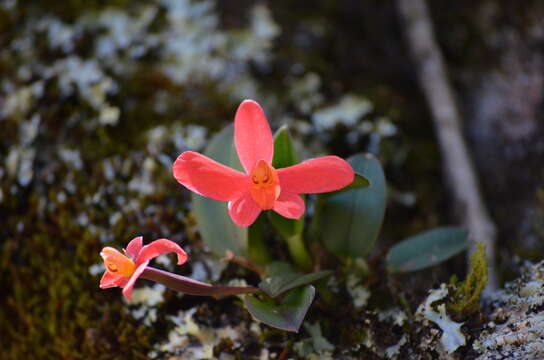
265	185
117	263
263	174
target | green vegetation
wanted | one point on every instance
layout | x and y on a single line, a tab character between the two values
54	227
51	302
466	295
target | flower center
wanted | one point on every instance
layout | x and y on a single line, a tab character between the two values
117	263
264	185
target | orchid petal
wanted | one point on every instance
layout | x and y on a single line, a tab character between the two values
110	280
127	289
252	135
207	177
159	247
134	247
244	210
289	205
323	174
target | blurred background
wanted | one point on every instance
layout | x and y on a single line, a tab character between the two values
97	98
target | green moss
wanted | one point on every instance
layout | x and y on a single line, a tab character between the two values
52	303
466	295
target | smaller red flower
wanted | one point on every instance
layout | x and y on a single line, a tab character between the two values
123	270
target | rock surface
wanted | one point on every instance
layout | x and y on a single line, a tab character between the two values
516	326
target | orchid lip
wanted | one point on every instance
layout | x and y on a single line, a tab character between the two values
117	263
264	184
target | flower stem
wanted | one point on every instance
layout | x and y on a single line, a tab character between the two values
298	252
230	257
192	287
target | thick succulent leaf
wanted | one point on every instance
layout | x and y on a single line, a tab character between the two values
274	268
284	156
280	283
284	150
288	315
349	222
359	181
258	250
216	227
286	227
426	249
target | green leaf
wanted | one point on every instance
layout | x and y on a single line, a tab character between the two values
278	267
349	222
359	181
257	248
284	150
214	223
288	315
280	283
284	156
426	249
289	229
286	227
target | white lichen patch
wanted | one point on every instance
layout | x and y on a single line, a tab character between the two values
316	346
20	164
148	295
181	340
305	92
394	315
144	183
109	115
348	111
96	269
17	102
164	260
393	351
239	283
215	267
452	337
385	128
145	314
195	136
71	157
146	299
190	46
359	293
516	329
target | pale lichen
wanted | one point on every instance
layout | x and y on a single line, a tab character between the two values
359	293
393	351
348	111
516	326
452	337
181	340
316	346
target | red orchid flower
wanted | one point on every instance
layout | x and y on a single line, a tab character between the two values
123	270
261	187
